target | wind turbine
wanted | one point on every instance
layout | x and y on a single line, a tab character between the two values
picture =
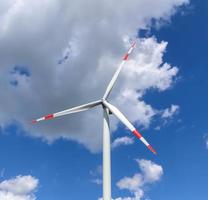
107	109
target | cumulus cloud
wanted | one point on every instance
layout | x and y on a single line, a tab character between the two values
169	112
150	173
34	34
18	188
122	141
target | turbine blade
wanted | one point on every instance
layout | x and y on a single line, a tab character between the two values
69	111
115	76
128	124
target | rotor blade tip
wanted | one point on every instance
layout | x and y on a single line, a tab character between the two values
152	149
34	121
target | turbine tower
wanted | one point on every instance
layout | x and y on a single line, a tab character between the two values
107	109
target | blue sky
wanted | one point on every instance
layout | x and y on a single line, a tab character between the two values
66	169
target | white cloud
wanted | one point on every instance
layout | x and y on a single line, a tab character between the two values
97	171
18	188
150	173
122	141
97	175
169	112
97	181
157	128
35	33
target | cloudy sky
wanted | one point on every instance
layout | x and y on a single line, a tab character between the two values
58	54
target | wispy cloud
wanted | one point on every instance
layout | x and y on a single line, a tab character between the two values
96	175
205	137
2	172
169	112
97	181
206	142
122	141
167	115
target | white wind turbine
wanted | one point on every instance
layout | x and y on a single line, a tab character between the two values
107	109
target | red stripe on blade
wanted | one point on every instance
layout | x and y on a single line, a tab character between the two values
137	134
126	57
34	121
151	149
50	116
